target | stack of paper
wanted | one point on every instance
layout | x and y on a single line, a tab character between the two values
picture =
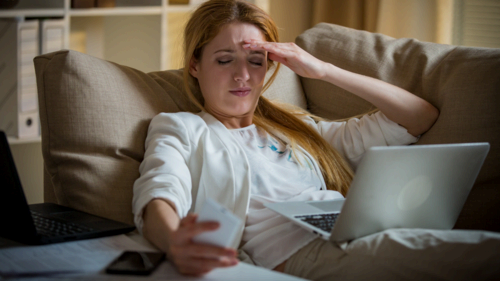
87	260
80	256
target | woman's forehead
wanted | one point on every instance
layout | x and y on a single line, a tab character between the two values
232	36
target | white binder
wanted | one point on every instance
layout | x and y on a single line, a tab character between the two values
51	35
19	44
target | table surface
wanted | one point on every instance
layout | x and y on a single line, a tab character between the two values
165	271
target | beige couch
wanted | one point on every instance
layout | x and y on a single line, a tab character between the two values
95	114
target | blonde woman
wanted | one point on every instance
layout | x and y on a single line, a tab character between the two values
243	151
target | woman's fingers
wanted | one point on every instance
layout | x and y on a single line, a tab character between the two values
202	266
209	259
209	251
193	258
280	49
205	264
189	228
197	228
197	259
202	251
291	55
277	58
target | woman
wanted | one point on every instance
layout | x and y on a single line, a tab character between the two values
243	151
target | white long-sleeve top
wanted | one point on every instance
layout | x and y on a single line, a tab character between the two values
191	157
276	176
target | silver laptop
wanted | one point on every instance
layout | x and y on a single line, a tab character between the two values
418	186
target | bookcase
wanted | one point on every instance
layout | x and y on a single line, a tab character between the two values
143	34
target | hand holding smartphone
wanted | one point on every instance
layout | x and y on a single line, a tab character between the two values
135	263
228	229
144	263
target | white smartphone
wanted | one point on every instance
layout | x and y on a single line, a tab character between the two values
228	229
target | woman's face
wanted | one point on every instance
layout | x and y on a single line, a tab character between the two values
230	77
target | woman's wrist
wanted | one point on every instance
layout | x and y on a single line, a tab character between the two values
328	73
160	219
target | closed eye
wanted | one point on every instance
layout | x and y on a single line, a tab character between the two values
256	63
222	62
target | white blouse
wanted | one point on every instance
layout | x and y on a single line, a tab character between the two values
191	157
277	176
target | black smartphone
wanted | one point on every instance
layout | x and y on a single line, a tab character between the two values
136	263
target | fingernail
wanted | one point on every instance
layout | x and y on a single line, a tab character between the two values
246	46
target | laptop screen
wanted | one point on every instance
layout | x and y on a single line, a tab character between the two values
15	215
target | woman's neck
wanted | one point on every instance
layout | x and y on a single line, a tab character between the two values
233	122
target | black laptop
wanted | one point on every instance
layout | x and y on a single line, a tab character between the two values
43	223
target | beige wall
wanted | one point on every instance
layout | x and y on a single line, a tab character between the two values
291	16
29	163
407	18
425	20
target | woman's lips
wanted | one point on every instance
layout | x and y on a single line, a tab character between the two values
240	92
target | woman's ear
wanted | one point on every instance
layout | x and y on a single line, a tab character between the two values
193	67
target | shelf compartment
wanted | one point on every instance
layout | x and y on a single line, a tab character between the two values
117	11
128	40
14	140
31	13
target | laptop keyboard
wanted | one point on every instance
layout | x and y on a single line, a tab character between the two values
51	227
322	221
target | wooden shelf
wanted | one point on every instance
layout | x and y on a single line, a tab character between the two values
181	8
14	140
142	34
32	13
117	11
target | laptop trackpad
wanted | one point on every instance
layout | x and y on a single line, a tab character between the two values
328	205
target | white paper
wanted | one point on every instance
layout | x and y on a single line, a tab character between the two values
240	272
87	259
167	272
79	256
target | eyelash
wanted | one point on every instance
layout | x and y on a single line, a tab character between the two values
228	61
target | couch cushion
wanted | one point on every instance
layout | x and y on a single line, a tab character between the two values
462	82
94	118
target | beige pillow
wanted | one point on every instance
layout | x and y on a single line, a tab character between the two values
94	117
463	83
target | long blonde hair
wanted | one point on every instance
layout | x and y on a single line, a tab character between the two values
204	24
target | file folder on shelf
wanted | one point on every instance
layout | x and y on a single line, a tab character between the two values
51	35
19	44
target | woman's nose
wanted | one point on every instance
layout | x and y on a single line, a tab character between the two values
241	73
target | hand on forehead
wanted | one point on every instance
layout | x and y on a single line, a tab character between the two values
233	36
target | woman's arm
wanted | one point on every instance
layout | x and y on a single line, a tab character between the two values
162	195
402	107
163	228
160	221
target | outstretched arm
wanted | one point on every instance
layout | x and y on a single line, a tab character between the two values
399	105
164	229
